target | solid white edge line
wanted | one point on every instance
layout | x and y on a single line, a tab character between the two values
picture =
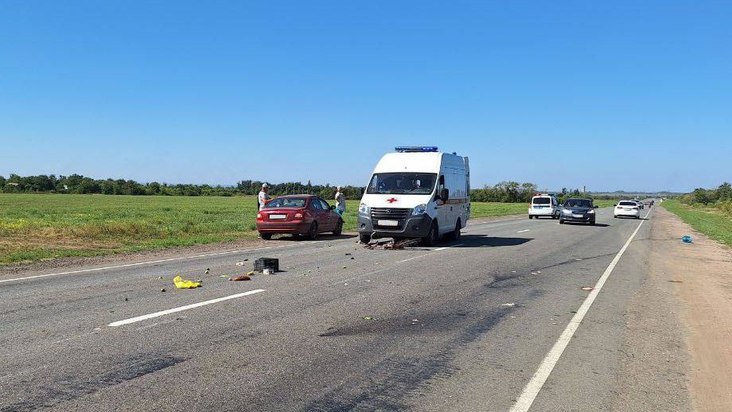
153	262
522	231
531	390
182	308
150	262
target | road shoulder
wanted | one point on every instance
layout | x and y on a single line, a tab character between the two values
679	326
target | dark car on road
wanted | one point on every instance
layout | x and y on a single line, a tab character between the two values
578	210
306	215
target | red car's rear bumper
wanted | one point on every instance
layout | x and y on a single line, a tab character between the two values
300	227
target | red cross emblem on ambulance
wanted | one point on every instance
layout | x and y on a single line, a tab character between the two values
392	200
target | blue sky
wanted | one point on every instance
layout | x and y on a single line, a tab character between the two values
621	95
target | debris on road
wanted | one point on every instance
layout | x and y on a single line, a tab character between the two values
240	263
686	239
676	281
392	244
368	318
267	263
508	305
587	288
162	290
240	278
208	271
181	283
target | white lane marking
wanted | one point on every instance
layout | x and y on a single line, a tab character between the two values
531	390
181	308
440	248
151	262
522	231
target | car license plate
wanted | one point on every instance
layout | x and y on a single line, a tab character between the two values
576	215
388	223
276	217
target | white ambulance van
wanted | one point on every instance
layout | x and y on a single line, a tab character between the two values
416	192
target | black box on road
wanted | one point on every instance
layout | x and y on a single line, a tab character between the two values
267	263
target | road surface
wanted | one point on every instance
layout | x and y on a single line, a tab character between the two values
462	326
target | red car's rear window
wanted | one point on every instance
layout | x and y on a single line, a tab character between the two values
287	202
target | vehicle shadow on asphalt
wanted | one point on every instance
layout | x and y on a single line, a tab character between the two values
585	224
489	241
321	237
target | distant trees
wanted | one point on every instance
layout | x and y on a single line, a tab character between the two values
78	184
721	194
506	192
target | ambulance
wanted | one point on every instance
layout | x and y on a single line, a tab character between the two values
416	192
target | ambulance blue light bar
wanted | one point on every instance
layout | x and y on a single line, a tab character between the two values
415	149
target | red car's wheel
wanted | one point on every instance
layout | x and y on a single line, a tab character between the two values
339	228
313	231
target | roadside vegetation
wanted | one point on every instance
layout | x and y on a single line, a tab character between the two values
48	216
706	210
34	227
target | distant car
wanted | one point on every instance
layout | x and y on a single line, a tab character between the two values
306	215
640	204
627	208
544	205
578	210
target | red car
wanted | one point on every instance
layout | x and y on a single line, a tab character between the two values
299	215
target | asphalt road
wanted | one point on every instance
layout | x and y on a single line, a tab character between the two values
462	326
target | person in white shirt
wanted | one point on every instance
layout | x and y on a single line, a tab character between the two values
263	197
340	199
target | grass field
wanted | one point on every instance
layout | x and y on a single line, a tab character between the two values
711	221
44	226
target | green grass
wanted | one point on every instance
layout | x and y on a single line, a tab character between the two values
713	222
604	203
35	227
490	209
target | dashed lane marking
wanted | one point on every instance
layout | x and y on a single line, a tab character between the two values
181	308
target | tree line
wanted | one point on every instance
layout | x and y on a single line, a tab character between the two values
78	184
706	196
720	198
515	192
505	192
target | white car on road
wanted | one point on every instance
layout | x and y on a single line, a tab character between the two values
628	208
544	205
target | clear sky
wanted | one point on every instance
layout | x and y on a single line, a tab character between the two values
611	95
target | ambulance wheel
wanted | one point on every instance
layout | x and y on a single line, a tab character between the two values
432	236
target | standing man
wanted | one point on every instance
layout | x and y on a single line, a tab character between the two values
263	197
340	199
